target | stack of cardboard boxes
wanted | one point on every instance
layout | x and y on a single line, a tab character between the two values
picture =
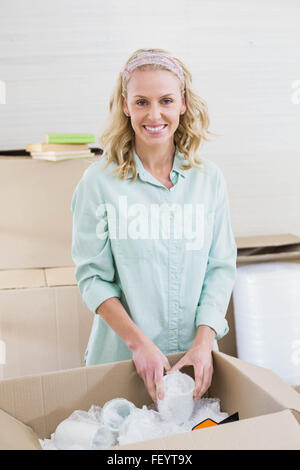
45	328
43	322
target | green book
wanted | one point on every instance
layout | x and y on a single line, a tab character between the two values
57	138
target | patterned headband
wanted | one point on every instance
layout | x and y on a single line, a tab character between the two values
145	58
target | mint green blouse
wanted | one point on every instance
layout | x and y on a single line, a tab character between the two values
168	254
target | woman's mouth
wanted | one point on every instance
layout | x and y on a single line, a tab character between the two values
155	129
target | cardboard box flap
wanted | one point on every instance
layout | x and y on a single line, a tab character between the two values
274	431
259	241
17	436
284	396
262	248
296	414
270	432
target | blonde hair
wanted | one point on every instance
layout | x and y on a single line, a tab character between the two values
117	140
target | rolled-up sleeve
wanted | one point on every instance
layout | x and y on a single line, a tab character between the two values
221	268
91	248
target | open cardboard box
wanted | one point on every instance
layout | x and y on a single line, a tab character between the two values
32	407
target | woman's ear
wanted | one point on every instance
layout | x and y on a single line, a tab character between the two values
125	107
183	107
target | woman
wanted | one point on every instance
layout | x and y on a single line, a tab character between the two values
152	242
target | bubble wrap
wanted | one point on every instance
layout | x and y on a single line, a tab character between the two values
266	299
178	389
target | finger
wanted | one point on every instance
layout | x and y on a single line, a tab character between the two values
142	375
207	376
204	384
139	371
198	380
158	378
167	366
150	385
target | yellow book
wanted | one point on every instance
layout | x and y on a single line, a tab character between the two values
57	158
39	147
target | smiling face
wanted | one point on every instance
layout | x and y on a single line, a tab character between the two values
154	104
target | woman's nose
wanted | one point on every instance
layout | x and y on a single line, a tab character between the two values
154	112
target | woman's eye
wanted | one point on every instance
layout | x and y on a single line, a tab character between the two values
144	101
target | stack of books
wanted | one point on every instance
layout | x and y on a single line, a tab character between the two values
57	147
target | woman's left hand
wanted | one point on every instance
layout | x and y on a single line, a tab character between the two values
200	357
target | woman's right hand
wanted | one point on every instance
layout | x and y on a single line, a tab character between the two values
150	363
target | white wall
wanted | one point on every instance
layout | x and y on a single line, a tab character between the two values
59	60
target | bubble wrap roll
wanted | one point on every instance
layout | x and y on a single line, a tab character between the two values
266	299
